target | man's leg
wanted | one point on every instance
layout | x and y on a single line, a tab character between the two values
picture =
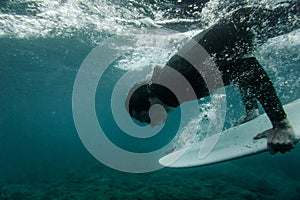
250	104
232	73
252	78
248	98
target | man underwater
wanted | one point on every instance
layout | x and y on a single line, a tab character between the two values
228	42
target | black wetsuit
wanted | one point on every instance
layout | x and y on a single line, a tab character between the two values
228	42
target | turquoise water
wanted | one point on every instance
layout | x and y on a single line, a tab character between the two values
43	45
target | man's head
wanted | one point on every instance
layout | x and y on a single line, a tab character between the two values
138	102
143	104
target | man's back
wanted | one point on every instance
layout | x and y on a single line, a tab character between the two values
239	32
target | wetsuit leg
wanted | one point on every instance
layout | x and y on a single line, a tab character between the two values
251	76
248	97
232	75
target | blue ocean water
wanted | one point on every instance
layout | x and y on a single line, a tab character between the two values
43	45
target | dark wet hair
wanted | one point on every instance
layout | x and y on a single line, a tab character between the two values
138	98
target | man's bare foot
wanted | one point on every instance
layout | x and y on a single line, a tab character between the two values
252	114
281	138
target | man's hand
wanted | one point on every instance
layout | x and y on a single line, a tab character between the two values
281	138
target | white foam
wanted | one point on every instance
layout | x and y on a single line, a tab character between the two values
55	18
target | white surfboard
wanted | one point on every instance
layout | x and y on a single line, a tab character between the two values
233	143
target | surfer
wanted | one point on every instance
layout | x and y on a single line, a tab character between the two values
228	42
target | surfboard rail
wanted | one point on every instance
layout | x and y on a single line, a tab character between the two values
233	143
